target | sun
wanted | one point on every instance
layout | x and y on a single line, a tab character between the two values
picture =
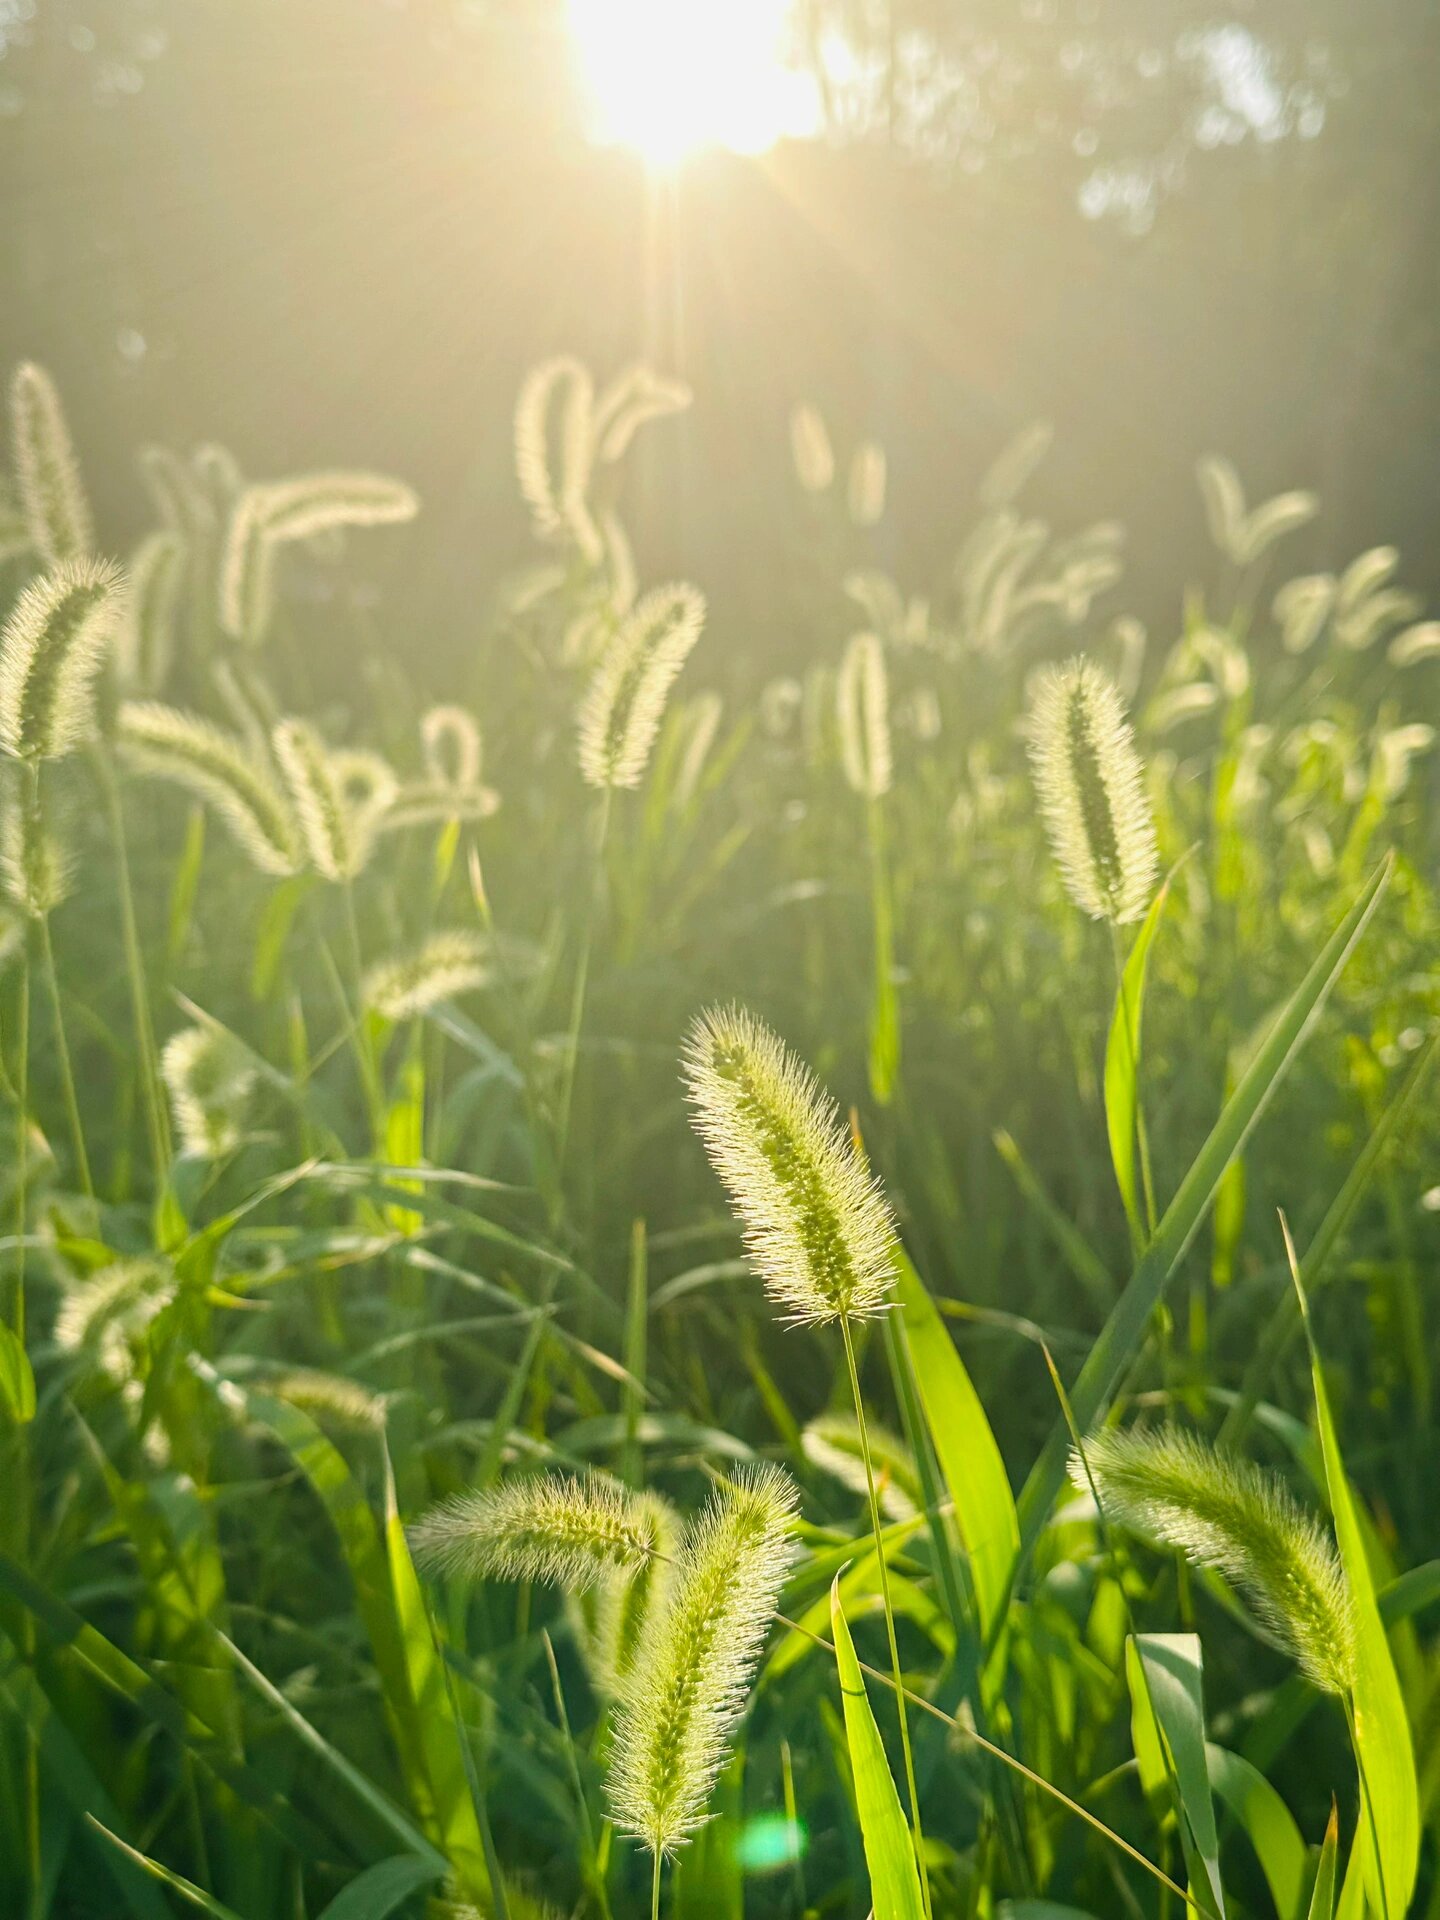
673	77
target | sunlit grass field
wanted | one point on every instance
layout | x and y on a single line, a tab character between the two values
637	1285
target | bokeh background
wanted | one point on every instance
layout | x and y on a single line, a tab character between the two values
326	233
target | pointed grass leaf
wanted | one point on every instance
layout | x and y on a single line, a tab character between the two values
894	1881
970	1461
1268	1823
379	1890
196	1896
1122	1064
1129	1319
17	1380
441	1732
1383	1860
1322	1898
1168	1667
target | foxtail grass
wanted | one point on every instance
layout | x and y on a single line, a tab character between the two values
1091	788
1224	1512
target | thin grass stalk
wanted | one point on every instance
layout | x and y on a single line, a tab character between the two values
883	1071
587	1832
156	1113
582	975
1142	1138
655	1860
910	1786
67	1075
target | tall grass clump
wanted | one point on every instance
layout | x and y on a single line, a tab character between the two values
690	1679
817	1227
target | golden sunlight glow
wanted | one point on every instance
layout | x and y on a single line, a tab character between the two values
670	77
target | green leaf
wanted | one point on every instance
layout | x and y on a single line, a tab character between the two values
187	1889
441	1734
970	1461
1322	1900
1126	1326
1269	1823
1038	1910
17	1381
1168	1668
380	1889
1122	1066
1386	1852
894	1881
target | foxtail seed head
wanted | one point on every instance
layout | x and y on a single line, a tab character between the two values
1227	1513
50	652
52	495
817	1227
690	1680
565	1531
1091	787
610	1618
444	965
220	770
862	698
451	741
625	701
209	1078
339	798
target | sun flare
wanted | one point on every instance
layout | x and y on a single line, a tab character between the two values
673	77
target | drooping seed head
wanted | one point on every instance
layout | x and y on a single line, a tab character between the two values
626	697
220	770
444	965
52	495
105	1319
1091	788
51	648
817	1227
273	514
565	1531
339	798
558	504
210	1078
633	397
451	741
862	700
1229	1514
689	1683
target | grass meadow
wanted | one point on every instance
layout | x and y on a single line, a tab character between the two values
626	1298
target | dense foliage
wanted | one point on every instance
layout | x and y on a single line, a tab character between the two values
351	1190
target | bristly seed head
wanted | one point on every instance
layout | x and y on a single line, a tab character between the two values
690	1679
863	709
1229	1514
50	652
625	702
556	1528
817	1227
1091	788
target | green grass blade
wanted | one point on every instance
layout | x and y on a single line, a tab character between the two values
65	1763
1168	1666
1269	1824
177	1882
377	1892
457	1818
894	1881
1122	1067
970	1461
1322	1900
1386	1852
1124	1330
17	1381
